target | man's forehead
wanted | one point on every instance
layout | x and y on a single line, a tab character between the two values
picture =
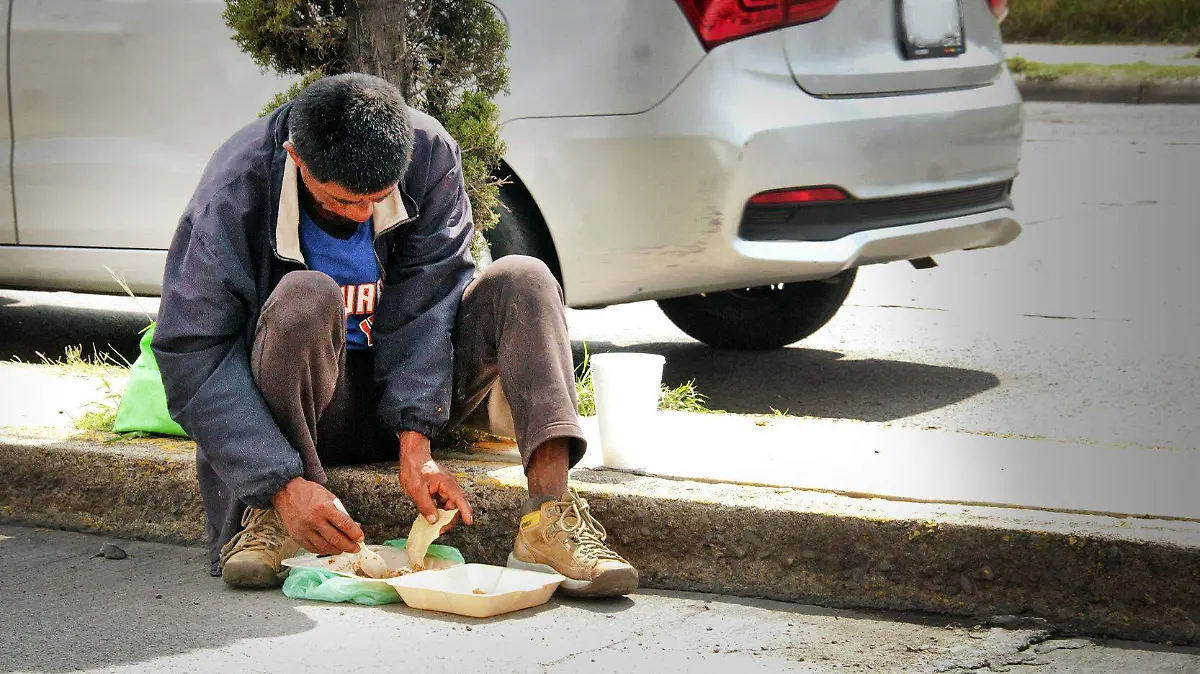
342	194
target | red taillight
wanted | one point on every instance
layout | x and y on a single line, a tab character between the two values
802	195
719	21
999	8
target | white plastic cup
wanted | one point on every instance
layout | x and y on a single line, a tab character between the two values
627	390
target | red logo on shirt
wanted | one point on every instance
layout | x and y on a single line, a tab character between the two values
359	300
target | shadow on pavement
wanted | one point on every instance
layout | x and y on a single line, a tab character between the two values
77	611
803	382
809	382
27	329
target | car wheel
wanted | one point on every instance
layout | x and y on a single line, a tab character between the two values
520	231
766	317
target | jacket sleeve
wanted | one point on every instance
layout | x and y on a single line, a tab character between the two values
200	345
430	267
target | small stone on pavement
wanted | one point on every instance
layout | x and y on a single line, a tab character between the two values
111	551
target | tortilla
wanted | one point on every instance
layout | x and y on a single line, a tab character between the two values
423	534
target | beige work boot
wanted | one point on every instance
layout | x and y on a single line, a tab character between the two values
563	537
251	559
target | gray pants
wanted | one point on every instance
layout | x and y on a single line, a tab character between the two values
513	376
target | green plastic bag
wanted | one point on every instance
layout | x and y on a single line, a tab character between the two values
144	405
320	585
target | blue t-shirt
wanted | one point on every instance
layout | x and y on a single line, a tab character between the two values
351	263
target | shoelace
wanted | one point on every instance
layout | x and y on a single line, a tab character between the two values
260	531
586	531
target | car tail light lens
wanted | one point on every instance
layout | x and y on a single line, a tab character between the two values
800	195
999	8
719	21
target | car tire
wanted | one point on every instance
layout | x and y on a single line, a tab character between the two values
521	230
767	317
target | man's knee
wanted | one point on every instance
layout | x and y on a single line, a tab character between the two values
305	301
524	275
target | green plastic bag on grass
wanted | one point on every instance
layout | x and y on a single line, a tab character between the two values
144	405
321	585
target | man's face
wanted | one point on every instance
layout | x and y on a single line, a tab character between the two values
336	204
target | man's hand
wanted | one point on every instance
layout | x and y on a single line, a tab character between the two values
427	484
308	512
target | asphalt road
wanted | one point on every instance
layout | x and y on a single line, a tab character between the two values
1084	329
67	610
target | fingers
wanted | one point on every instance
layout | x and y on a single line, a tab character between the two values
455	498
424	502
346	526
315	544
335	538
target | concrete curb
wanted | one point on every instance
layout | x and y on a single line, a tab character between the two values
1100	576
1130	92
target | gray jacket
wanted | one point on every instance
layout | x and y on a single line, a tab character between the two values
237	238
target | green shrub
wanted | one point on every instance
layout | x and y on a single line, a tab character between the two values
1165	21
451	66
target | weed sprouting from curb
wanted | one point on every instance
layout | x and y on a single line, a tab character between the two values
585	388
684	398
74	362
101	415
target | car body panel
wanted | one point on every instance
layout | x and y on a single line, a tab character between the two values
117	107
8	225
89	270
856	50
641	162
594	58
648	206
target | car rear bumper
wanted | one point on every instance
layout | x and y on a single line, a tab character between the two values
654	205
797	261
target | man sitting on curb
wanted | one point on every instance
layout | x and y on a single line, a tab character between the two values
319	309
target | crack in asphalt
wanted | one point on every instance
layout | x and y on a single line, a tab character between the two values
597	649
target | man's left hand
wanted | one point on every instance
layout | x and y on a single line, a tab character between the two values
427	484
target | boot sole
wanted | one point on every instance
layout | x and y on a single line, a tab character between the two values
252	576
615	583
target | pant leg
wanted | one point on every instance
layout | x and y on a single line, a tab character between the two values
296	361
512	350
350	432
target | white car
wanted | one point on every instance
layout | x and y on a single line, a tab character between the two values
735	160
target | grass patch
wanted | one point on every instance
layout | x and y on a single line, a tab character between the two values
1091	21
682	398
585	388
102	414
1137	72
102	418
75	362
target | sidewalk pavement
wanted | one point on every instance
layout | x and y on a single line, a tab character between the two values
1129	90
1098	540
110	618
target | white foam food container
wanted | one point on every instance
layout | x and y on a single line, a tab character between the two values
395	558
477	590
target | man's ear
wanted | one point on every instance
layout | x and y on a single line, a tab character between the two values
291	150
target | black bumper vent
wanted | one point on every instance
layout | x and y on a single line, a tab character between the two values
829	221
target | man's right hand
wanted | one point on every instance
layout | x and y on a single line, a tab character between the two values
308	512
